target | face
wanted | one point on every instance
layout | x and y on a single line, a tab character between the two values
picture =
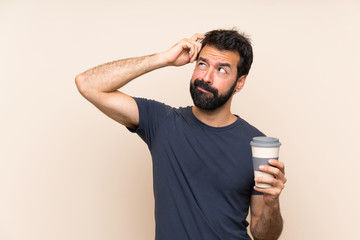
214	78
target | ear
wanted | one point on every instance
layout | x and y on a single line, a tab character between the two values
240	83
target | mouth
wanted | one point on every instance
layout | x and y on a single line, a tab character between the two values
201	89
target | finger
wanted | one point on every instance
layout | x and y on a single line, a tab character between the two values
197	36
197	47
271	170
270	191
192	53
188	45
268	180
277	163
275	183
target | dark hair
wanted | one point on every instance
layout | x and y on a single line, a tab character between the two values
231	40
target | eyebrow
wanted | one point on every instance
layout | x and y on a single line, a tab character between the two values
220	64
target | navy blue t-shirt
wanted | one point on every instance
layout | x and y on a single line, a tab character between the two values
203	175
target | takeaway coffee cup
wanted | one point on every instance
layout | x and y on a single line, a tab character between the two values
263	149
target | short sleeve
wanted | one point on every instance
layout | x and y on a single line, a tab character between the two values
151	116
254	192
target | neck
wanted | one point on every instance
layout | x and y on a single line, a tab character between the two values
219	117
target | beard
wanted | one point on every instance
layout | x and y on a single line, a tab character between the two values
210	100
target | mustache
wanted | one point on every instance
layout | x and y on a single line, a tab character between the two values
206	86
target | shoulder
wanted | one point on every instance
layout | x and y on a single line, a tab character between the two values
248	128
152	109
145	102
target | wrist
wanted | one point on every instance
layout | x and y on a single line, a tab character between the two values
272	211
273	205
162	60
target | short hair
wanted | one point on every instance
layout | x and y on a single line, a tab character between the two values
231	40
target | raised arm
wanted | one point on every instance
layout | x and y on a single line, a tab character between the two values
100	85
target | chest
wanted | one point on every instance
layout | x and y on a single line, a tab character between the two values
215	160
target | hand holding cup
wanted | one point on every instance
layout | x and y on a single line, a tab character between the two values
264	149
269	172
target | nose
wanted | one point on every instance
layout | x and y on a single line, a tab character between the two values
208	76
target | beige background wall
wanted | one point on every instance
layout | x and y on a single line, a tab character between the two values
69	172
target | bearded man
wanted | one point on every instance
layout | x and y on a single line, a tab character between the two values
202	165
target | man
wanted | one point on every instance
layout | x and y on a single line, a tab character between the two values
203	176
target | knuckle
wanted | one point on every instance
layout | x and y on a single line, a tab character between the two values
277	171
273	181
277	191
265	168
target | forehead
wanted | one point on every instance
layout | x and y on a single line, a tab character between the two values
215	56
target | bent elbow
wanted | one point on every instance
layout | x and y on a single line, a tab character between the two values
80	82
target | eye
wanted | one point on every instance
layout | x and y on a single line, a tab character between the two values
201	65
222	70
